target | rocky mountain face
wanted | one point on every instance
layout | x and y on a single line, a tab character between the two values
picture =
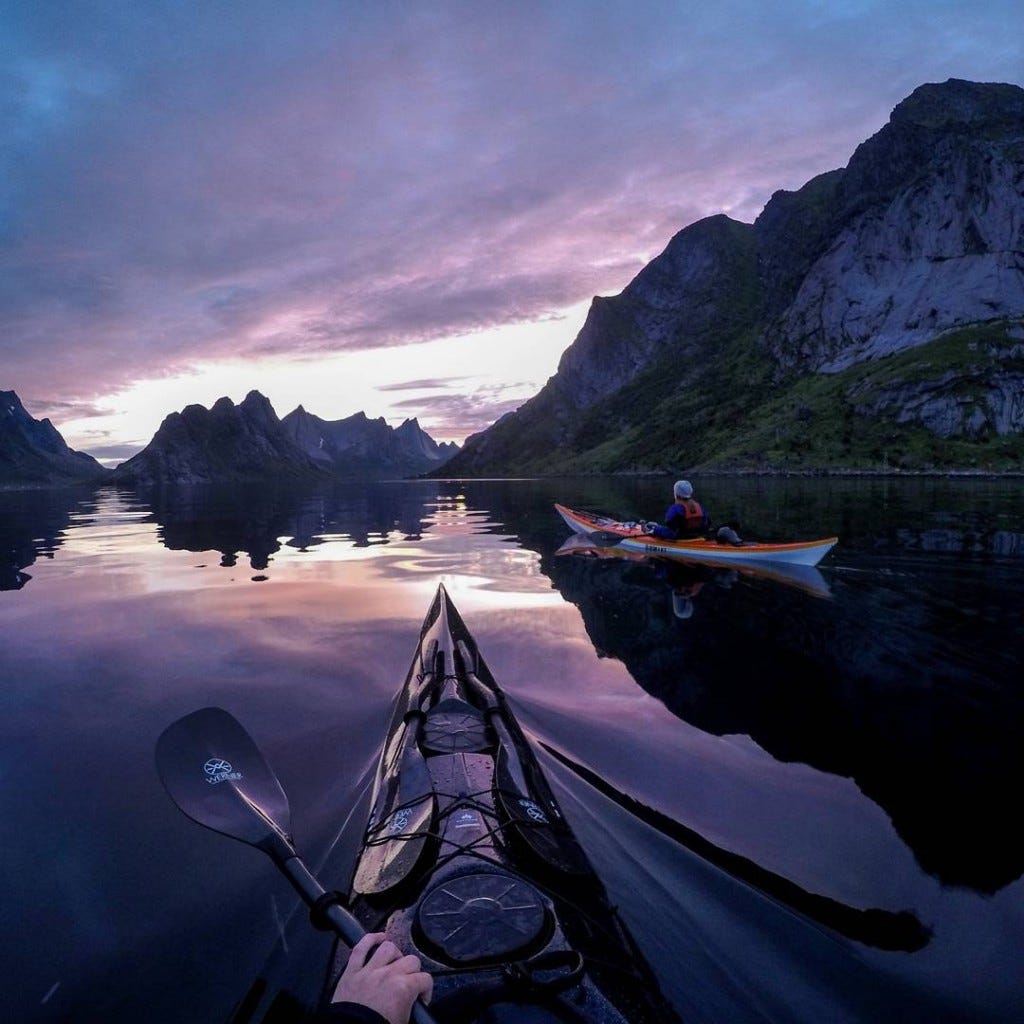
358	445
924	231
225	443
868	319
33	454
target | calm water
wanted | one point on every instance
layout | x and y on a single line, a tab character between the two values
748	780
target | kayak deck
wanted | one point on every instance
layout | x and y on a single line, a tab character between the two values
632	537
468	862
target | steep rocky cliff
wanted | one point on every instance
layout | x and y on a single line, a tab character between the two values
33	454
926	234
860	320
359	445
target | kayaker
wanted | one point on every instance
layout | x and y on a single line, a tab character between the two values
378	985
685	517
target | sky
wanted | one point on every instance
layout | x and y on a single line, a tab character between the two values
400	208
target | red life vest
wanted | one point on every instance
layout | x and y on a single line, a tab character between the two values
693	514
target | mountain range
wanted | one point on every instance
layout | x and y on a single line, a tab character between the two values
872	319
226	443
358	445
247	441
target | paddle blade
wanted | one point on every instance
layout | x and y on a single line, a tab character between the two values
216	775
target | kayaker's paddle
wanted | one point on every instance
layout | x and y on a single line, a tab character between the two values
215	773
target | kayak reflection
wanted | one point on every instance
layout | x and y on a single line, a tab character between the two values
686	579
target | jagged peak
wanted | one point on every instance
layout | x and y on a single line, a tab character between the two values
223	404
10	402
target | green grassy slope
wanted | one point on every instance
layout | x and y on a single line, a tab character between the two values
724	409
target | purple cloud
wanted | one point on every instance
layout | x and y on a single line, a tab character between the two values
459	416
59	410
430	384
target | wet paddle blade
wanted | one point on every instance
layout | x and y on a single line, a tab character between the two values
216	775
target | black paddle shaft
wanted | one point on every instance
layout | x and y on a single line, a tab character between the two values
215	773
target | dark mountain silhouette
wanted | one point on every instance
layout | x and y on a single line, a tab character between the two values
360	446
225	443
33	454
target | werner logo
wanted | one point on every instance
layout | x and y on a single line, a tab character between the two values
534	811
219	770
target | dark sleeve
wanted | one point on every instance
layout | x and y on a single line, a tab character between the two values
348	1013
675	518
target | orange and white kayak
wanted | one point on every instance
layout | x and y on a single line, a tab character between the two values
632	536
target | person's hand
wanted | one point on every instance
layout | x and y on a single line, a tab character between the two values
383	979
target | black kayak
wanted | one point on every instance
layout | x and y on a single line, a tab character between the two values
468	862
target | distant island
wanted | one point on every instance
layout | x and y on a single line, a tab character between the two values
873	320
223	444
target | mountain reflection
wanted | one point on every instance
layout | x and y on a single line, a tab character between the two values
256	521
905	681
892	684
32	525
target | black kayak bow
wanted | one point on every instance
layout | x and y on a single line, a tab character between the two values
215	773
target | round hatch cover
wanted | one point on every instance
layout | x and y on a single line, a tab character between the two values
454	731
481	917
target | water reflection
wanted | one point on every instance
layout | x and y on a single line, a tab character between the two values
32	525
257	520
905	681
881	685
876	927
902	683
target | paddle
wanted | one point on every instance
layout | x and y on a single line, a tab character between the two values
215	773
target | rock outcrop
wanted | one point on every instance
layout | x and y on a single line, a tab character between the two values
921	235
360	446
927	232
225	443
703	283
33	453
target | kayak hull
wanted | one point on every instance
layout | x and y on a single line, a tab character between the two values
468	862
631	537
791	574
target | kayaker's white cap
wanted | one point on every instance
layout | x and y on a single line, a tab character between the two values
683	489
